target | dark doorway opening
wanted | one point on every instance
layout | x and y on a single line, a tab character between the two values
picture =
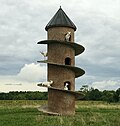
67	61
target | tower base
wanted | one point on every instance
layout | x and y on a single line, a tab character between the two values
60	102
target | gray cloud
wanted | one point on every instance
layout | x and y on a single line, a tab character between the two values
19	33
22	25
101	38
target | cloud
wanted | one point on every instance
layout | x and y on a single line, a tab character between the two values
19	33
22	25
98	82
32	73
100	36
106	85
28	77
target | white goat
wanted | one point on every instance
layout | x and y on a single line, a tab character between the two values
66	86
67	36
48	83
45	54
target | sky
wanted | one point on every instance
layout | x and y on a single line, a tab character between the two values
22	25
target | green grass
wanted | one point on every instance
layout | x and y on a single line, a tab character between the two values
88	113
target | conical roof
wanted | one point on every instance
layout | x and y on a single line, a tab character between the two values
60	19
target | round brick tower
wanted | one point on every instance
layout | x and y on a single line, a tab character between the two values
61	64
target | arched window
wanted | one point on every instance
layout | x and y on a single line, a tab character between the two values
67	61
67	85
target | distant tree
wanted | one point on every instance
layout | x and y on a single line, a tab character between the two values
84	88
94	94
108	96
117	95
2	96
24	95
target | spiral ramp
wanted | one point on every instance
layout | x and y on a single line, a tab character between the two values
64	94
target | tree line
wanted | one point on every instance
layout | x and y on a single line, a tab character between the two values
90	94
24	95
96	95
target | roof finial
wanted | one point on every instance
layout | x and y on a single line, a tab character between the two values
60	6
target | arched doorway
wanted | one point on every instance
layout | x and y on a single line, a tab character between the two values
67	61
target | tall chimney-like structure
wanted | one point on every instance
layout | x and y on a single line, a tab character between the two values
61	64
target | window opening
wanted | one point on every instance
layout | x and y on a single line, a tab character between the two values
67	61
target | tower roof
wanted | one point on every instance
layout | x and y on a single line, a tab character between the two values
60	19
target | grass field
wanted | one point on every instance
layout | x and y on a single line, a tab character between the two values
88	113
